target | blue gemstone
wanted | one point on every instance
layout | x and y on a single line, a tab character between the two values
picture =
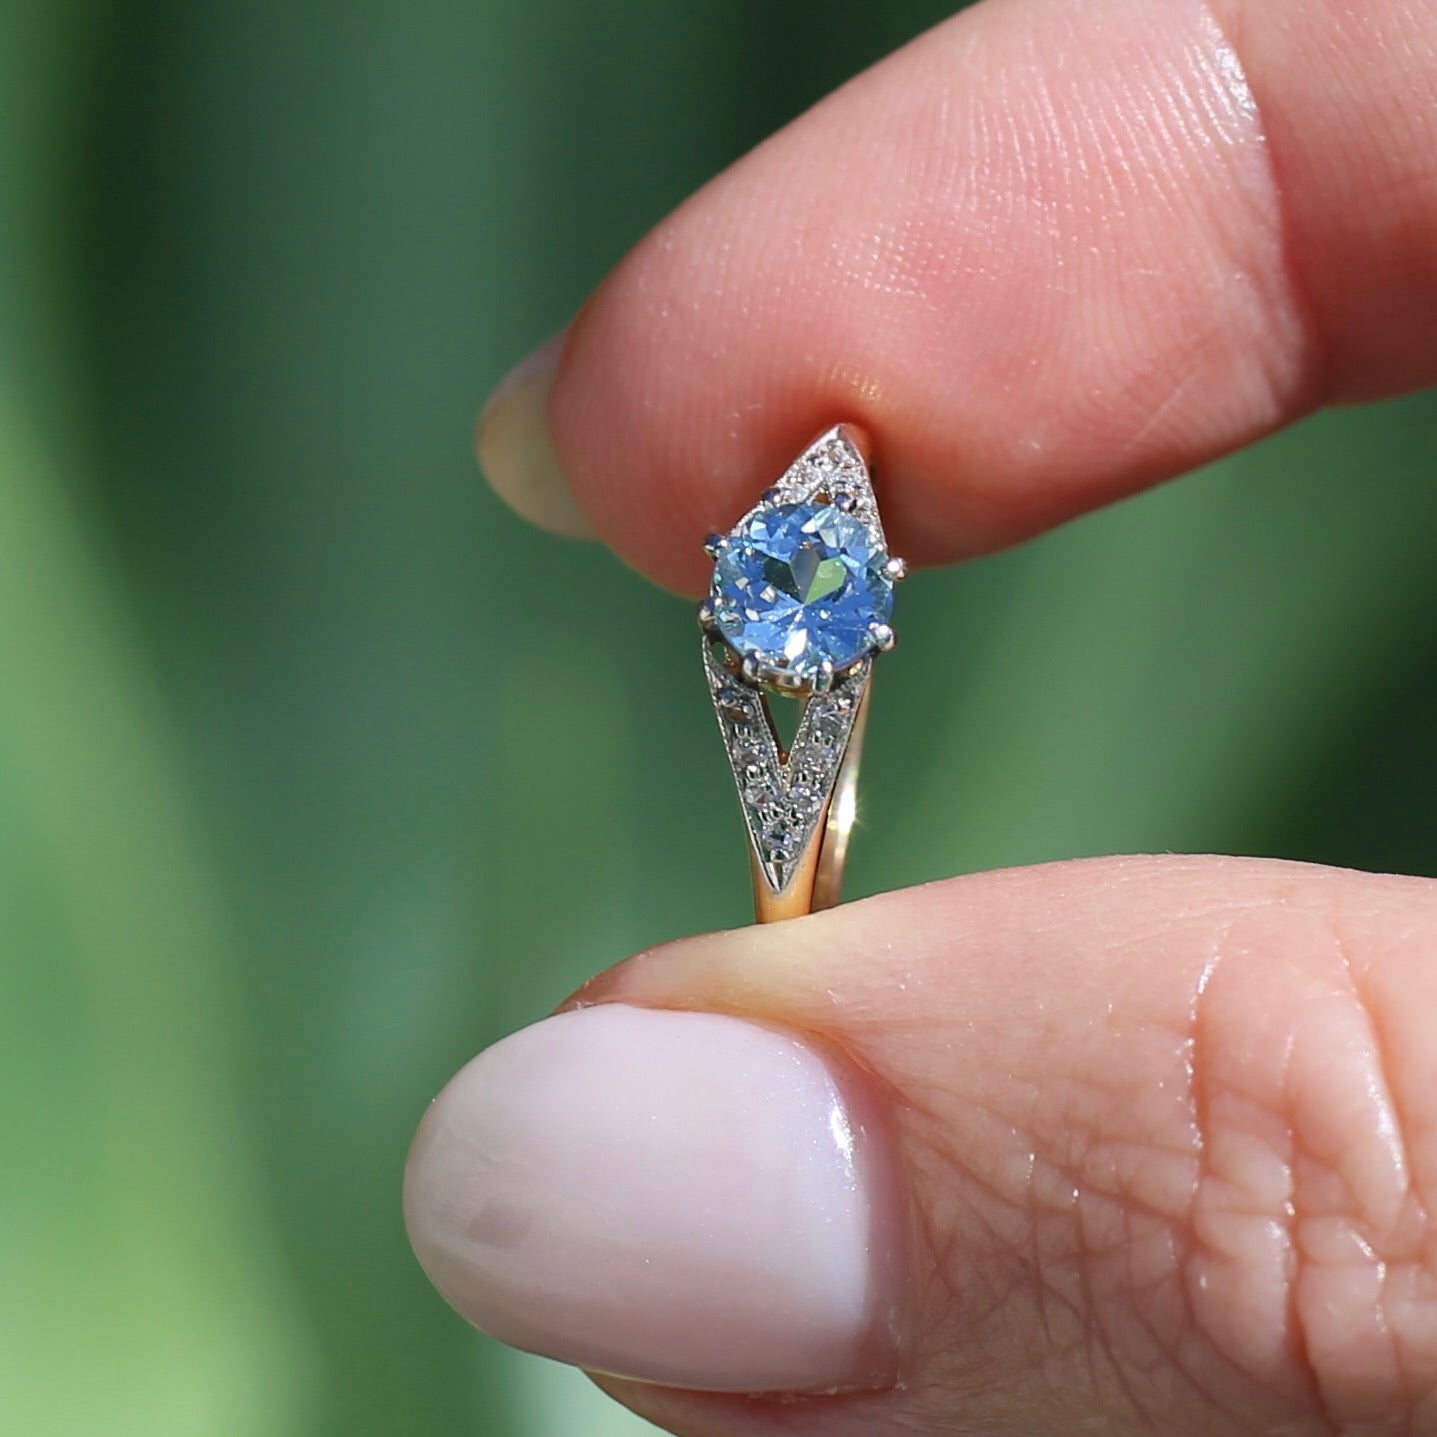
798	585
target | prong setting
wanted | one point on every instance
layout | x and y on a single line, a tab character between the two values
803	583
896	569
775	677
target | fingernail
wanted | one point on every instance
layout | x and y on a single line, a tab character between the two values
677	1198
516	451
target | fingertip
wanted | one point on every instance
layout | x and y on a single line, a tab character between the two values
515	447
683	1198
1042	252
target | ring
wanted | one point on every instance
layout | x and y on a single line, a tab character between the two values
802	599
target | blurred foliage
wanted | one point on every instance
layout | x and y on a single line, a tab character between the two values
287	780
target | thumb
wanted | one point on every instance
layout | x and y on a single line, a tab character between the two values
1122	1145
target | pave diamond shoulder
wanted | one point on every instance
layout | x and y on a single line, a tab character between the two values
832	464
784	796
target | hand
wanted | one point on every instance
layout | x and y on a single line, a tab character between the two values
1128	1145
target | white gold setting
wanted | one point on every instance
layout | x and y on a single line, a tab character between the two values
798	806
783	795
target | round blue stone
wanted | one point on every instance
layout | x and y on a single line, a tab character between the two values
798	585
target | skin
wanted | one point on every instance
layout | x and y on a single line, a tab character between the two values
1169	1124
1051	252
1171	1128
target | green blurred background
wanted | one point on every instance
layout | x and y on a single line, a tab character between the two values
287	778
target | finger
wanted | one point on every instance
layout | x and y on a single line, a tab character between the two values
1049	253
1126	1145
